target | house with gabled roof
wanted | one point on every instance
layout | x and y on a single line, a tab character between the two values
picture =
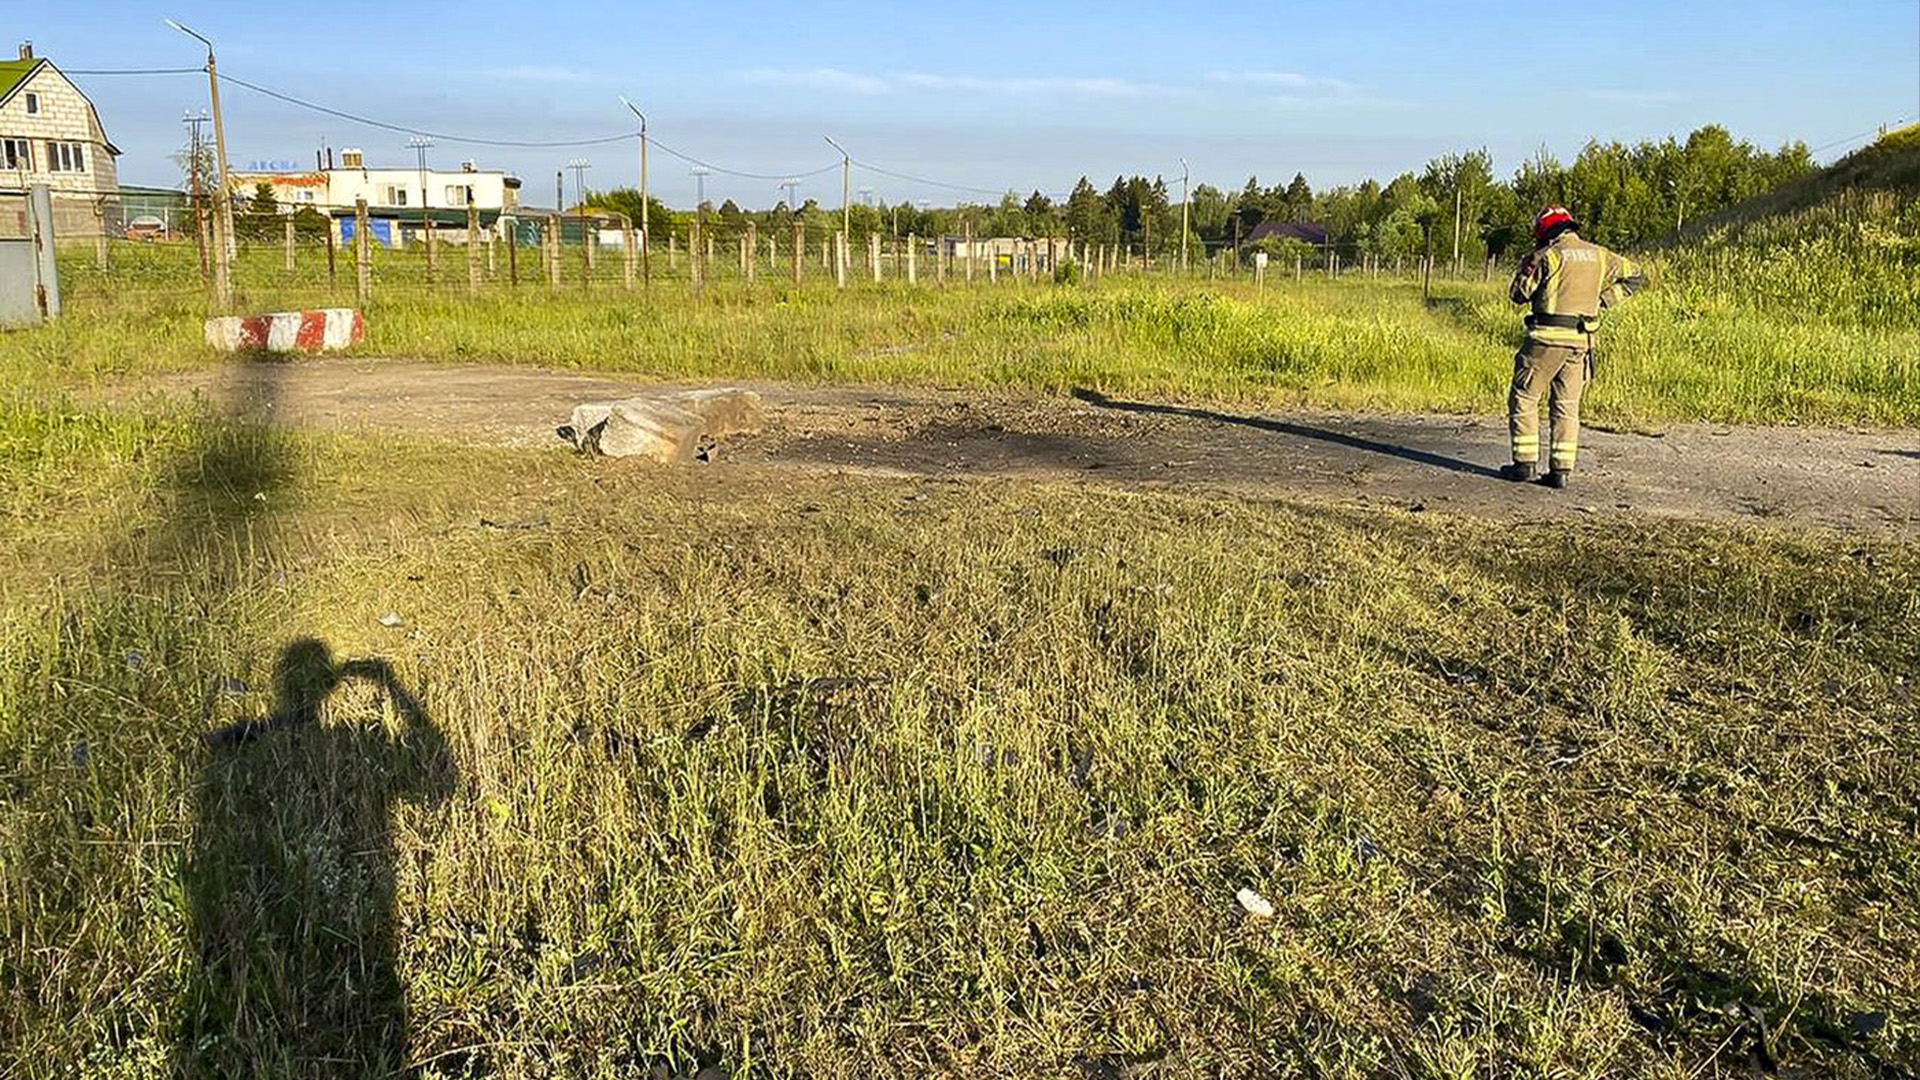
50	133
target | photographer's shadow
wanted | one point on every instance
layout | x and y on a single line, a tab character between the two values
291	883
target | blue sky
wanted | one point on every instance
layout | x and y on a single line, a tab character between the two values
990	95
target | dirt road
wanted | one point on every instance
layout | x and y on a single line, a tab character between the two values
1851	480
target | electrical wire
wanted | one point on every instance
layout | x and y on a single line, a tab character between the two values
443	136
133	71
535	143
870	167
691	160
1856	138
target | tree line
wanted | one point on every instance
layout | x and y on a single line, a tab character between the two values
1624	195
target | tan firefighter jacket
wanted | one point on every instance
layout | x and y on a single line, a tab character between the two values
1568	282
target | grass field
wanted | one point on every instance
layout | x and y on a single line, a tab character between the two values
1677	352
564	768
836	777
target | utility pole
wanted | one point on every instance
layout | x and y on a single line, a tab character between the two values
193	122
580	167
646	264
223	201
788	185
1185	203
697	248
846	187
420	144
1456	221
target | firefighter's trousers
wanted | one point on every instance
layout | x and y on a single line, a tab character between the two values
1559	372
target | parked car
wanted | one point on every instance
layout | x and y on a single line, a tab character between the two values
146	227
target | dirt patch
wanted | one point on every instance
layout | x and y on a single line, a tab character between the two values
1860	480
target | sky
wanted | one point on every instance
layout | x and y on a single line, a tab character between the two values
984	97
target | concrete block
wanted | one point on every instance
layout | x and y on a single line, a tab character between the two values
319	330
666	427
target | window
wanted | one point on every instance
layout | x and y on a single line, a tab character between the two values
33	103
16	154
66	157
396	195
459	194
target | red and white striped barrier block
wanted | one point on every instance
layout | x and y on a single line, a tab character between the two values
319	330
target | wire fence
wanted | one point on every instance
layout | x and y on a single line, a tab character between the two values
322	254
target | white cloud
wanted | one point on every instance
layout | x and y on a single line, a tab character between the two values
539	73
815	78
1644	98
1284	80
835	79
1081	86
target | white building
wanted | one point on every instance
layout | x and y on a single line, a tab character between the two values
51	134
395	195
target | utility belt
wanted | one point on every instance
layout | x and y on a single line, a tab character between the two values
1581	323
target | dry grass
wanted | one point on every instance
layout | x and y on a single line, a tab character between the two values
837	777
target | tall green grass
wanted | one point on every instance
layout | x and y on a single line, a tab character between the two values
1795	308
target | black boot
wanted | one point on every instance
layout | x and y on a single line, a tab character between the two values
1557	478
1520	471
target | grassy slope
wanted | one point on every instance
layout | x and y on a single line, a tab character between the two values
1529	802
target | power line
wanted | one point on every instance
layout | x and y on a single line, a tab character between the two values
691	160
133	71
923	180
1856	138
404	130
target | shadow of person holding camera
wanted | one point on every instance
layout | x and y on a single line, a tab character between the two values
291	881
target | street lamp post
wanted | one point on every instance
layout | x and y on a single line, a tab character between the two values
223	201
646	264
846	187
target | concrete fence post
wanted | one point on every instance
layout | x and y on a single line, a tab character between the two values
913	252
473	248
288	245
799	249
696	266
362	254
840	259
630	249
748	246
553	250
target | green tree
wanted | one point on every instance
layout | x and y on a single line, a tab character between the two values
626	202
1086	217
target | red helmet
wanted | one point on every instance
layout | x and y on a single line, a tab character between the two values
1550	219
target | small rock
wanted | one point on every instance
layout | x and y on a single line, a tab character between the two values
392	620
135	659
1255	904
80	754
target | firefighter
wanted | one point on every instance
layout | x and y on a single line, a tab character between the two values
1567	282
